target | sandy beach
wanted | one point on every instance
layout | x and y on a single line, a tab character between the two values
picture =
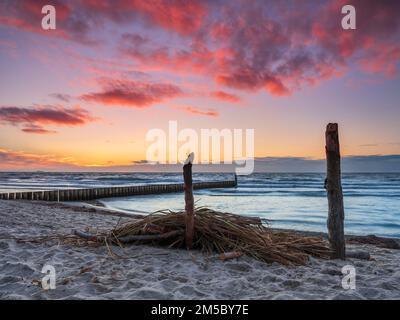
144	272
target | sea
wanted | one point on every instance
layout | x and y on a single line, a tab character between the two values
286	200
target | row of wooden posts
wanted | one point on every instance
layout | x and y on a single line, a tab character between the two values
108	192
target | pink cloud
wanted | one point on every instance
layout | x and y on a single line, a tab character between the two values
33	119
196	111
374	45
181	16
385	61
247	47
224	96
184	17
275	46
27	16
37	130
196	58
78	20
132	93
9	48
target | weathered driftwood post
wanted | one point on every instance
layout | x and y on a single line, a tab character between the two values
189	201
333	186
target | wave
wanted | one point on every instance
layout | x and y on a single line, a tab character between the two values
298	201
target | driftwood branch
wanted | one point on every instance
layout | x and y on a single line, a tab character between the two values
130	239
362	255
376	241
230	255
333	187
150	237
88	236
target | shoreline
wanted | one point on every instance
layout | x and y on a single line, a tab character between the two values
146	272
97	205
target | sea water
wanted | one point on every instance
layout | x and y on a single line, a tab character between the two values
287	200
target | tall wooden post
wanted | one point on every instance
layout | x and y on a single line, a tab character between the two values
189	201
333	186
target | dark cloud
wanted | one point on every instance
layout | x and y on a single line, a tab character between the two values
364	164
377	163
350	164
37	130
61	96
138	162
13	160
72	23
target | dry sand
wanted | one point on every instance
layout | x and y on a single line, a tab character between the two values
157	273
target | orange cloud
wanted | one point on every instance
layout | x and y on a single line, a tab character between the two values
10	160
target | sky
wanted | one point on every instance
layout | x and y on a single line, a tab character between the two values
83	96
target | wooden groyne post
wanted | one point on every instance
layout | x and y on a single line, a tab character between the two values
109	192
189	200
333	186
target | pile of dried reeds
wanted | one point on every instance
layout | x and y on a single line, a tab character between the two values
216	232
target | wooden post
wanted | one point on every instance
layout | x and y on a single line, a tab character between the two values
333	186
189	200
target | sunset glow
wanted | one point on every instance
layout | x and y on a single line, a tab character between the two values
84	95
